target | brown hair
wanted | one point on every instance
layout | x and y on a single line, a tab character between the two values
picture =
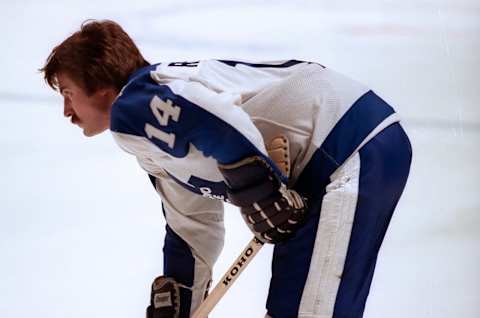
100	55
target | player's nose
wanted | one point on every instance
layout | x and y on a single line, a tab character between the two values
67	109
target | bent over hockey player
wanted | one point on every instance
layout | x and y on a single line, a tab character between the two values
201	131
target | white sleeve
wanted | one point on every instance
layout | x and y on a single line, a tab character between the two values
199	222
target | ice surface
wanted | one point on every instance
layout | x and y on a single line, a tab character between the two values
81	229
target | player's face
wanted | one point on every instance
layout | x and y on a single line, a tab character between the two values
91	113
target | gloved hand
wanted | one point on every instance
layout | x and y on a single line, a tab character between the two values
272	211
164	299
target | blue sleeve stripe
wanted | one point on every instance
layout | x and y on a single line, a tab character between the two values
179	263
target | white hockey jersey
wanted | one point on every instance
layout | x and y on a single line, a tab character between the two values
181	119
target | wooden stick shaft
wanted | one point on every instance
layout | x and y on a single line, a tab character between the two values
229	278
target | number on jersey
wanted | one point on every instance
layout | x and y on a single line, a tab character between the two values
163	112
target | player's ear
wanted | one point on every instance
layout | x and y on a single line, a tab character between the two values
107	95
105	91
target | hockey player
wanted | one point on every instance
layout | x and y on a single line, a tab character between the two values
200	130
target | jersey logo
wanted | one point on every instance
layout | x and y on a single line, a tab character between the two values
163	112
208	189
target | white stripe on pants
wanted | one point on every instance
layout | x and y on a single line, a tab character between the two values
331	244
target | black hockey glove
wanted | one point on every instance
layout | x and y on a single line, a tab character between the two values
164	299
272	211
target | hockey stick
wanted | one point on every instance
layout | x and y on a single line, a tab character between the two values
278	150
229	278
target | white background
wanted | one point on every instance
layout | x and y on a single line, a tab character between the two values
81	229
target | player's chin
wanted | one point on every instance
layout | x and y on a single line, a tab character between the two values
92	132
89	133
